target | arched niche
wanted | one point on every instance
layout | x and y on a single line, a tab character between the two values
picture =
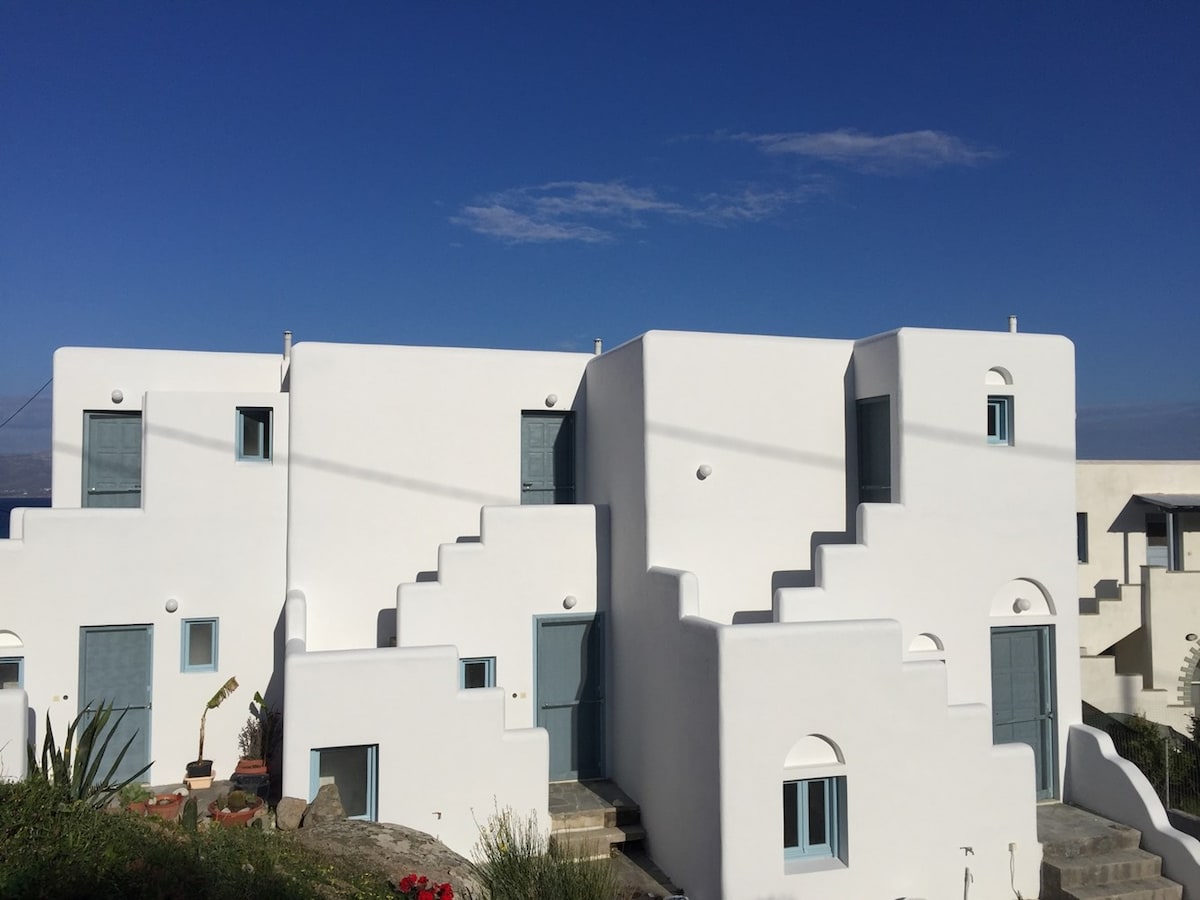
10	640
1022	597
997	375
813	750
926	643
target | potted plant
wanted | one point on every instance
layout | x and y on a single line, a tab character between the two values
257	738
235	808
199	773
134	796
164	806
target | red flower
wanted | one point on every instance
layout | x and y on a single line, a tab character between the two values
426	895
445	892
423	880
407	882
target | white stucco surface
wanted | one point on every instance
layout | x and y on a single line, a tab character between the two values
14	734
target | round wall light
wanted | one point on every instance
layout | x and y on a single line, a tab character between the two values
117	396
1022	604
1190	637
569	601
171	605
551	399
704	471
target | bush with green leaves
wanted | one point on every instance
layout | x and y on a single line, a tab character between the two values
516	861
76	770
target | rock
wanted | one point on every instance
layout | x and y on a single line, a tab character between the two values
289	812
327	807
395	851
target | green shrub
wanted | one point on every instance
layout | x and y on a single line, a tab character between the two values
516	861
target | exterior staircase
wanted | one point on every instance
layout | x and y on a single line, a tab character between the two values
1087	857
596	817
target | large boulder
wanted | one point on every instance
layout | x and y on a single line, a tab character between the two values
395	851
289	812
326	807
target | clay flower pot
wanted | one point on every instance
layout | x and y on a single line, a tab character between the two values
234	819
164	806
251	767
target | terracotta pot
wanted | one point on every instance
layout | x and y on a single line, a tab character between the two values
235	819
138	808
165	806
251	767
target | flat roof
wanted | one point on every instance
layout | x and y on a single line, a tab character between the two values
1173	502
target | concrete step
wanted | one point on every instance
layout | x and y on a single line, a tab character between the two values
597	842
1100	869
1067	832
1139	889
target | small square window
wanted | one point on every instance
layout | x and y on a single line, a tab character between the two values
254	433
812	824
1000	420
12	672
477	672
1081	537
199	653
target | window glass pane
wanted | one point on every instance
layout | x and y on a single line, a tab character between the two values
10	673
200	644
251	435
874	450
816	812
791	821
475	674
349	769
1081	537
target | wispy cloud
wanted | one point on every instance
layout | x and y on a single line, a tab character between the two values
594	212
882	154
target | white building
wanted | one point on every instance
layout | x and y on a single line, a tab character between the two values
801	599
1138	527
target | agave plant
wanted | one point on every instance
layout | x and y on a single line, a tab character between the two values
217	699
75	768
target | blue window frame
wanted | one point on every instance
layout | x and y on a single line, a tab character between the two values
355	771
1000	420
198	652
254	433
477	672
812	823
12	672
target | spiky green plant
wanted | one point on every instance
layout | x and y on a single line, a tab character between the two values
74	770
216	700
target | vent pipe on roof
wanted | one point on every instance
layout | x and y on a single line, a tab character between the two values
597	346
287	345
1012	324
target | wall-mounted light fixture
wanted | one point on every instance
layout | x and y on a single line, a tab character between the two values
1191	637
551	399
1022	604
704	471
569	601
117	396
171	605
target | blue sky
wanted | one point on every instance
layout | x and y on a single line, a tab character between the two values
534	175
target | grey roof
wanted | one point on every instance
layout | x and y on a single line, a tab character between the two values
1189	502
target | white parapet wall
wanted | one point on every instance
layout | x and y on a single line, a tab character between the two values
1100	780
14	734
446	760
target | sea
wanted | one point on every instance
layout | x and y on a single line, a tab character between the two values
8	504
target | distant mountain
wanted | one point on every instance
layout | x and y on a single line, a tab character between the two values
25	474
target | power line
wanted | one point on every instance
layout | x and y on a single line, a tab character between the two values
27	402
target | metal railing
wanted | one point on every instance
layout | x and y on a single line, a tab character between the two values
1169	760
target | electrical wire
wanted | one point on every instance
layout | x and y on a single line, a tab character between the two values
27	402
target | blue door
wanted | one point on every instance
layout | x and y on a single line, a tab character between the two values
1023	696
547	457
570	694
114	668
112	459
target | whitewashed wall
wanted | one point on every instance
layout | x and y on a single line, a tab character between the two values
86	377
211	536
528	561
397	449
14	734
446	760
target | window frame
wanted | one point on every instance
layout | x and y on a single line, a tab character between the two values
489	663
832	848
186	643
264	417
1003	404
20	664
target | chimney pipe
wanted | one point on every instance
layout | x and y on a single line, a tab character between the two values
287	345
597	346
1012	324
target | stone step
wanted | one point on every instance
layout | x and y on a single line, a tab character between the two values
1138	889
607	817
1066	832
1102	868
597	842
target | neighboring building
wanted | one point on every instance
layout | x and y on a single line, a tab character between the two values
794	596
1138	546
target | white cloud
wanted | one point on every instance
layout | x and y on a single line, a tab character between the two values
595	212
875	154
